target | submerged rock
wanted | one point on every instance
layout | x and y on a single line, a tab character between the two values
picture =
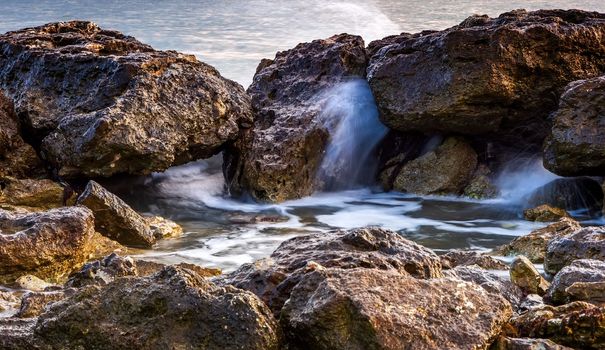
39	194
525	275
101	103
273	278
582	280
373	309
544	213
569	194
586	243
576	143
497	77
534	245
278	157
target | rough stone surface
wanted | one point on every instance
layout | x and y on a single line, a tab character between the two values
33	283
586	243
576	144
101	103
174	308
569	194
273	278
446	170
582	280
163	228
481	185
103	271
544	213
48	244
506	343
114	218
487	76
39	194
533	245
376	309
278	157
525	275
463	258
34	303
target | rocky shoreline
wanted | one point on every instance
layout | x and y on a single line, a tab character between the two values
79	103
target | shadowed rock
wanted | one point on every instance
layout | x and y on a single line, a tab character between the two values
582	280
569	194
586	243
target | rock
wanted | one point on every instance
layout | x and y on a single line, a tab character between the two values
115	219
163	228
544	213
446	170
101	103
525	275
376	309
576	143
506	343
578	324
396	149
455	258
9	302
582	280
33	283
533	245
530	302
498	78
48	244
16	333
17	158
174	308
34	303
569	194
586	243
480	185
102	272
273	278
39	194
278	157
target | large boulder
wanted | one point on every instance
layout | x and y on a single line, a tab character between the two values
279	156
174	308
582	280
99	103
576	144
373	309
582	193
273	278
48	244
487	76
586	243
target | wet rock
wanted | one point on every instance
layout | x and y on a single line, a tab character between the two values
273	278
388	310
582	280
533	245
569	194
544	213
481	185
173	308
576	143
525	275
506	343
578	325
33	283
586	243
279	156
39	194
48	244
163	228
463	258
101	103
446	170
496	77
114	218
104	271
34	303
395	150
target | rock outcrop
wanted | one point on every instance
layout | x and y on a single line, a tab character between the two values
582	280
586	243
100	103
278	157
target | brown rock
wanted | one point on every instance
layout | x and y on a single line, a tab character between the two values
544	213
586	243
464	258
582	280
506	343
525	275
33	283
481	185
34	303
39	194
163	228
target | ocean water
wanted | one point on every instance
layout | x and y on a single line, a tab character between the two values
233	35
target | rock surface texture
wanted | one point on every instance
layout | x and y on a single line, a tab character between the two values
100	103
582	280
586	243
278	157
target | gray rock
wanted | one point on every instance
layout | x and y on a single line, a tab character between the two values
586	243
581	280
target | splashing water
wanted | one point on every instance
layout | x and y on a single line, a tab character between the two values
521	177
351	117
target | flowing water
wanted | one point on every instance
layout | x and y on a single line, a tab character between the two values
233	35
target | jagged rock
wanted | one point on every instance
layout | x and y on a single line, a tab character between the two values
495	77
576	144
39	194
104	271
163	228
578	324
17	158
525	275
569	194
463	258
582	280
273	278
530	302
279	156
446	170
480	185
174	308
115	219
506	343
533	245
544	213
33	283
101	103
586	243
34	303
373	309
48	244
16	333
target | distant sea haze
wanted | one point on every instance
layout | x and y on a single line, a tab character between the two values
233	35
